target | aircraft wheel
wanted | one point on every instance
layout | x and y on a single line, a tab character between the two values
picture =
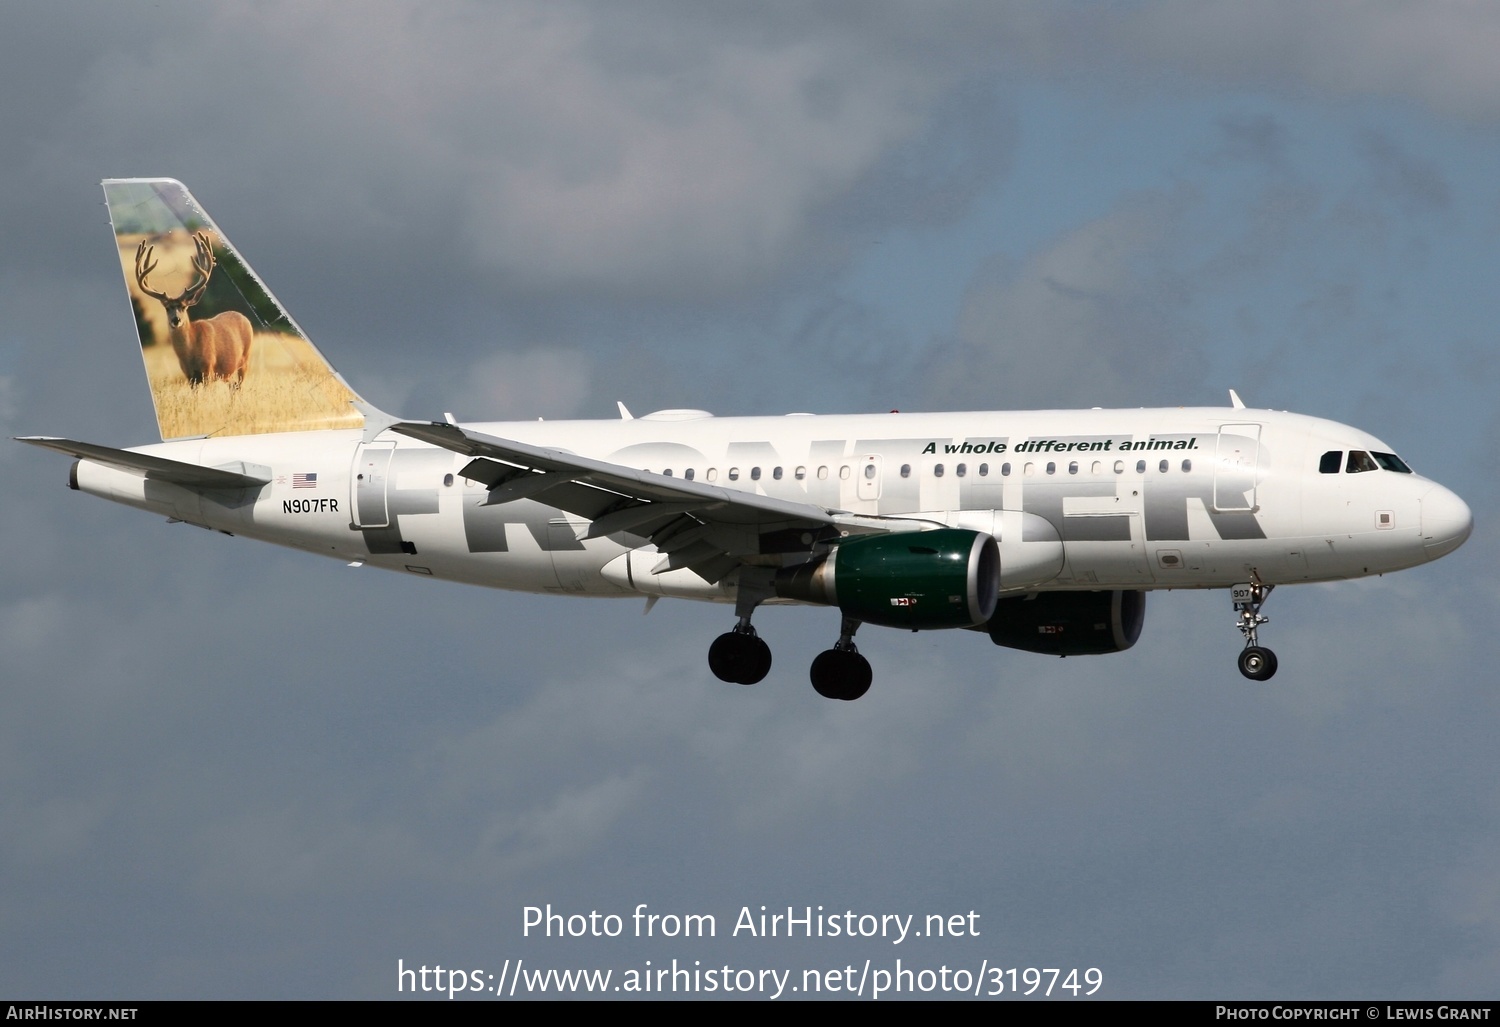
739	659
841	674
1257	663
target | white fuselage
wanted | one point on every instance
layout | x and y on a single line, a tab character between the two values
1091	499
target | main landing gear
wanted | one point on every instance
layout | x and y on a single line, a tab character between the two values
1256	662
741	657
840	672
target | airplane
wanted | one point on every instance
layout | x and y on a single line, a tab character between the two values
1043	529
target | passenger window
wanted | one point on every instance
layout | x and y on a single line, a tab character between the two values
1051	467
1162	467
1098	467
447	481
1359	461
755	474
961	470
1030	469
1072	466
1005	470
776	473
667	472
713	474
823	472
937	470
1140	467
1330	462
984	470
734	474
1119	466
800	473
1187	465
688	474
844	473
906	470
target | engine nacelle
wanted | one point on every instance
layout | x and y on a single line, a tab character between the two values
944	578
1069	623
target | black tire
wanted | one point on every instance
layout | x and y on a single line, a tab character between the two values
739	659
1257	663
840	674
757	662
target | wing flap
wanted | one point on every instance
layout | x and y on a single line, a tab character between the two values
642	519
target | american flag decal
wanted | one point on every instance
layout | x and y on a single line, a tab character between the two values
304	481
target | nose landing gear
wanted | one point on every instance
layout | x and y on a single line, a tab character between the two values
1256	662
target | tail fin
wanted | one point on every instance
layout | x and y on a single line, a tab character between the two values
222	356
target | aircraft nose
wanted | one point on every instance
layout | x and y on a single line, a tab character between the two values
1446	522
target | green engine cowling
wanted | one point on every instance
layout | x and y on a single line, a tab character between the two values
1069	623
944	578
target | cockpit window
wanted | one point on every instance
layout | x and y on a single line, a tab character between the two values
1331	461
1391	462
1359	461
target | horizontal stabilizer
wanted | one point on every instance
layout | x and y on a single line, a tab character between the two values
193	476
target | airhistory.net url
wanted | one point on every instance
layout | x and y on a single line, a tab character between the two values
856	981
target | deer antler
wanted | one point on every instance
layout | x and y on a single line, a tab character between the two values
144	265
203	265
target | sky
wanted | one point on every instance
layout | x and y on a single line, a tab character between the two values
235	771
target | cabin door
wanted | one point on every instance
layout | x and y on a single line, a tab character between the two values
1235	460
372	469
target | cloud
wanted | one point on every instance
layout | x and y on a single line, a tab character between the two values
521	386
1094	316
1440	55
562	145
1415	183
1258	138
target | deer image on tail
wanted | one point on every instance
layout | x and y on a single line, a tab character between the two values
214	349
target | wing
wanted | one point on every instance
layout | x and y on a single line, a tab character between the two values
704	527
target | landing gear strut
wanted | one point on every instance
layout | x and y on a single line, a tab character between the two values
840	672
740	656
1256	662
